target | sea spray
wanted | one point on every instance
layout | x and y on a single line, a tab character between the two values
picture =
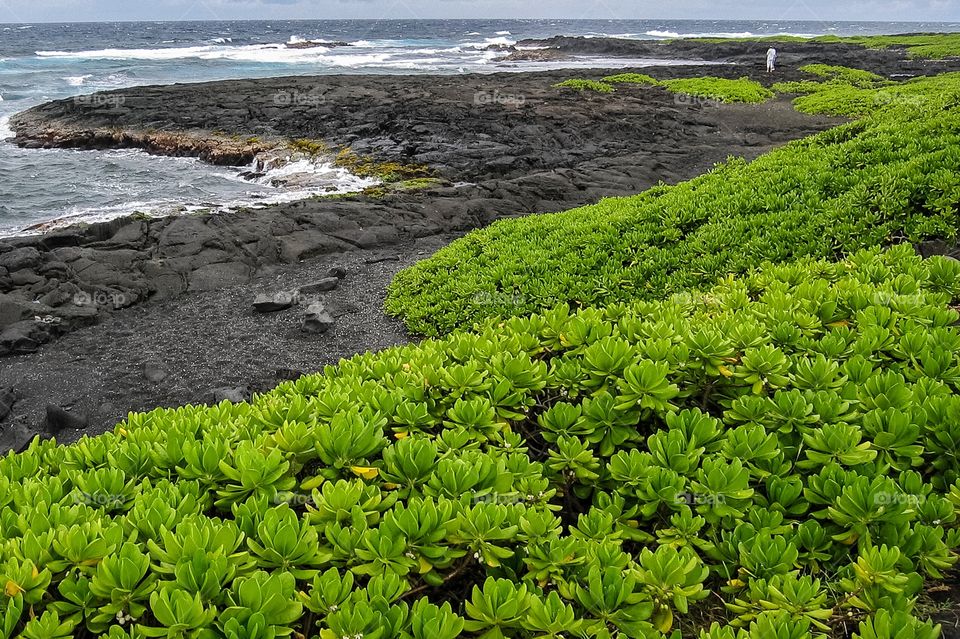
5	130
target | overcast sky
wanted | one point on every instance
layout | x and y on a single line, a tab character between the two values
81	10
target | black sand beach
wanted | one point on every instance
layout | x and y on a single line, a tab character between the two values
166	313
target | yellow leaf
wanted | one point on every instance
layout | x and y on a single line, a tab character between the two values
313	482
123	432
367	472
12	589
389	486
839	324
736	583
425	566
663	619
726	372
401	435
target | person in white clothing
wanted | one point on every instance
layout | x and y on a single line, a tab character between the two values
771	60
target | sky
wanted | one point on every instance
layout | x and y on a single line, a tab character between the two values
818	10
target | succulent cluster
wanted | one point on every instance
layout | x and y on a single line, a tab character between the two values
706	88
886	178
932	46
774	456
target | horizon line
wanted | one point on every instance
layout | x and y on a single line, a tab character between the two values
173	20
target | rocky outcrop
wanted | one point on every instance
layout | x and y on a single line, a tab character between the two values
314	44
536	55
215	149
504	145
887	62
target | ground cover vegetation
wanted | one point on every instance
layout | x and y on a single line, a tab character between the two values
888	177
726	409
776	457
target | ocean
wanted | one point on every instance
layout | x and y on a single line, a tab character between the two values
42	62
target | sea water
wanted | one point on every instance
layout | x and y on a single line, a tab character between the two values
45	62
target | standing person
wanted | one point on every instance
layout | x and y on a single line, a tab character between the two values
771	60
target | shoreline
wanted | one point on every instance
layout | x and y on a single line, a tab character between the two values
487	160
97	122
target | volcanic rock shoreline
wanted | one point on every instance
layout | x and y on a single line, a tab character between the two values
498	145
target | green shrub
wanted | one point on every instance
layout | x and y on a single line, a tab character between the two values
585	85
935	46
847	75
721	89
786	445
867	183
631	78
800	86
841	98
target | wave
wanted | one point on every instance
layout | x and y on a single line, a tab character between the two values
487	42
315	173
719	34
222	40
288	182
77	80
5	130
264	53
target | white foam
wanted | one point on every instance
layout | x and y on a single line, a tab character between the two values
77	80
318	172
716	34
662	34
503	40
269	53
5	130
503	33
325	180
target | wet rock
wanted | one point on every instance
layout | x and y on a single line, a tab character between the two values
54	268
60	419
320	286
62	294
21	258
273	302
337	271
536	55
316	319
25	277
132	234
312	44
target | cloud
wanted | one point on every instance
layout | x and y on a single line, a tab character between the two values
817	10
